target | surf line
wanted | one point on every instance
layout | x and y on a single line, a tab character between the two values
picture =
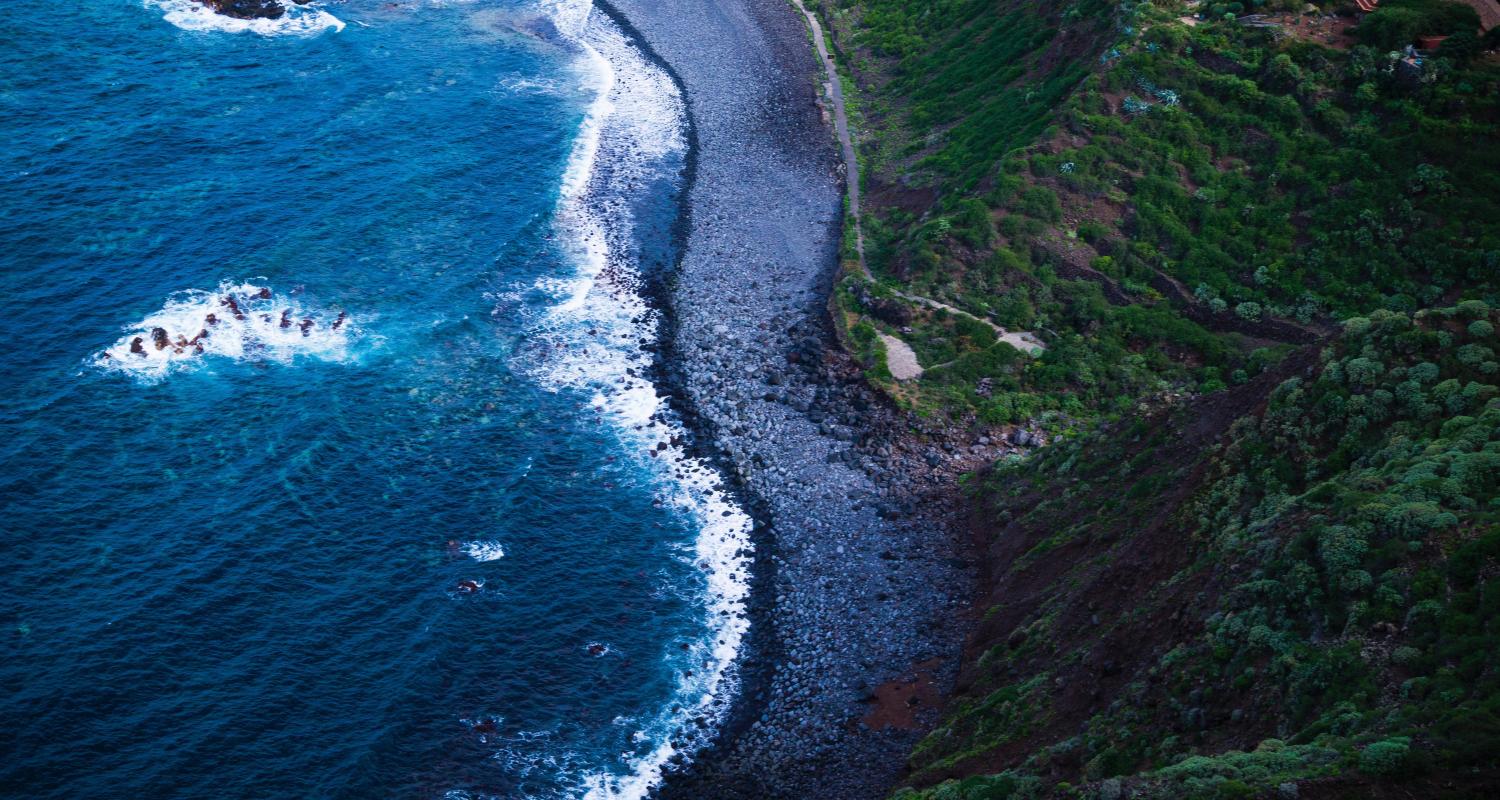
636	122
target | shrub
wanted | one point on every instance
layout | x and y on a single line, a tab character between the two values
1249	311
1385	758
972	223
1473	309
1091	231
1041	203
1406	655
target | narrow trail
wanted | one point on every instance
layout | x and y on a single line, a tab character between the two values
1025	341
835	91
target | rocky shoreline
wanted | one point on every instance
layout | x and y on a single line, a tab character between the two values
863	577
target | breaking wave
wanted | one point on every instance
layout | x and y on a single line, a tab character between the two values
298	20
590	341
237	321
484	550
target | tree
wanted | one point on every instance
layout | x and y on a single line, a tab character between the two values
1397	23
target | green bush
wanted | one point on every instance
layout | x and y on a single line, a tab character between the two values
1385	758
1041	203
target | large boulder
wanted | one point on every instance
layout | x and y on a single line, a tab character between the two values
885	309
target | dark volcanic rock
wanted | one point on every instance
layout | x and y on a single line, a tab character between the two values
884	309
250	9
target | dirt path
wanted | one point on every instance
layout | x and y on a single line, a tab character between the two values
1025	341
835	91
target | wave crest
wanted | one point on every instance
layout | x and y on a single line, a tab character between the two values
238	321
298	20
484	550
587	342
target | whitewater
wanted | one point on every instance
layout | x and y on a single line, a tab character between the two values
638	118
351	466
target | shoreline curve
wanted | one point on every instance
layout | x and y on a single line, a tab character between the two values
857	548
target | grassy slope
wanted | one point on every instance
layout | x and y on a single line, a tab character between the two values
1172	208
1273	559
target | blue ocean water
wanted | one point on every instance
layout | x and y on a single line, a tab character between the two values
405	519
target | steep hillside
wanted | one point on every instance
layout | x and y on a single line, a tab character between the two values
1241	270
1166	207
1293	579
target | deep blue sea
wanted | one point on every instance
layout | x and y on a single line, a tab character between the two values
329	464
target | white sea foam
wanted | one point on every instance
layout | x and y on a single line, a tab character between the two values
276	328
525	753
591	334
297	21
525	85
484	550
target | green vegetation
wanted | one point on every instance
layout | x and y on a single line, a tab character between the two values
1398	23
1162	203
963	70
1263	260
1343	544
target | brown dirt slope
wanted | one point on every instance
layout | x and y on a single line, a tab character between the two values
1092	614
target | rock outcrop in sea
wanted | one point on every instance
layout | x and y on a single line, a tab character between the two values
250	9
